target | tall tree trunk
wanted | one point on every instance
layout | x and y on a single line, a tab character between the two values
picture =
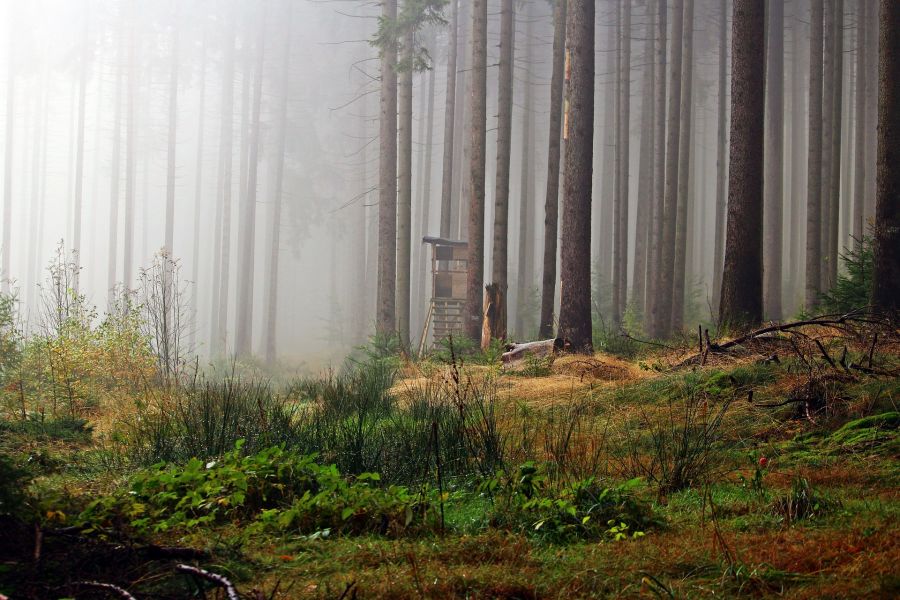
886	294
219	312
6	247
684	170
114	176
79	143
742	292
421	263
449	121
647	171
499	259
130	153
721	160
620	209
39	149
173	131
798	159
774	175
663	317
198	190
659	167
551	204
859	176
828	135
247	230
386	312
270	333
478	115
525	262
575	269
833	194
404	197
814	189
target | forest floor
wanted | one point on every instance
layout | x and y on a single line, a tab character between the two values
801	499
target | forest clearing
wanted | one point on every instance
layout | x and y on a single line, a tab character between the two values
346	299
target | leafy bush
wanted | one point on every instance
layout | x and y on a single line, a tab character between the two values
13	481
584	509
274	487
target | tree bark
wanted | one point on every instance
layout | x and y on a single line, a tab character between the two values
500	255
404	196
551	203
833	193
449	121
659	175
721	160
477	132
386	320
814	175
173	130
859	176
247	231
623	131
886	293
742	278
575	286
684	169
663	317
218	313
647	172
525	266
270	334
774	175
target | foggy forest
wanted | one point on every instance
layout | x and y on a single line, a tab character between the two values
449	298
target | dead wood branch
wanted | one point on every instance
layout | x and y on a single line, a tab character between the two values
113	589
219	580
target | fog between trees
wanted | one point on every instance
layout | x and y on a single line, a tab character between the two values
292	154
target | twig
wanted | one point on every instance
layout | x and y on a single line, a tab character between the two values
628	336
347	589
825	354
220	580
120	592
437	462
872	348
824	320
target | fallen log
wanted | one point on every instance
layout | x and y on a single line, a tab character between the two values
516	353
219	580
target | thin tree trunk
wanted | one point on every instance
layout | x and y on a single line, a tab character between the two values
814	189
742	292
828	135
219	311
684	170
421	262
659	167
663	317
130	156
247	231
449	121
79	144
114	176
620	208
478	115
270	332
575	270
721	160
386	319
404	197
551	204
173	130
525	269
859	177
500	260
647	172
774	175
886	294
198	190
833	193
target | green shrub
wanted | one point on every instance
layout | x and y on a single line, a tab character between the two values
853	288
585	509
802	502
274	487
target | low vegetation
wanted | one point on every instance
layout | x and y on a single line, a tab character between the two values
763	468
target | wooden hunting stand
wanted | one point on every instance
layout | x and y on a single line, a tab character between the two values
448	289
